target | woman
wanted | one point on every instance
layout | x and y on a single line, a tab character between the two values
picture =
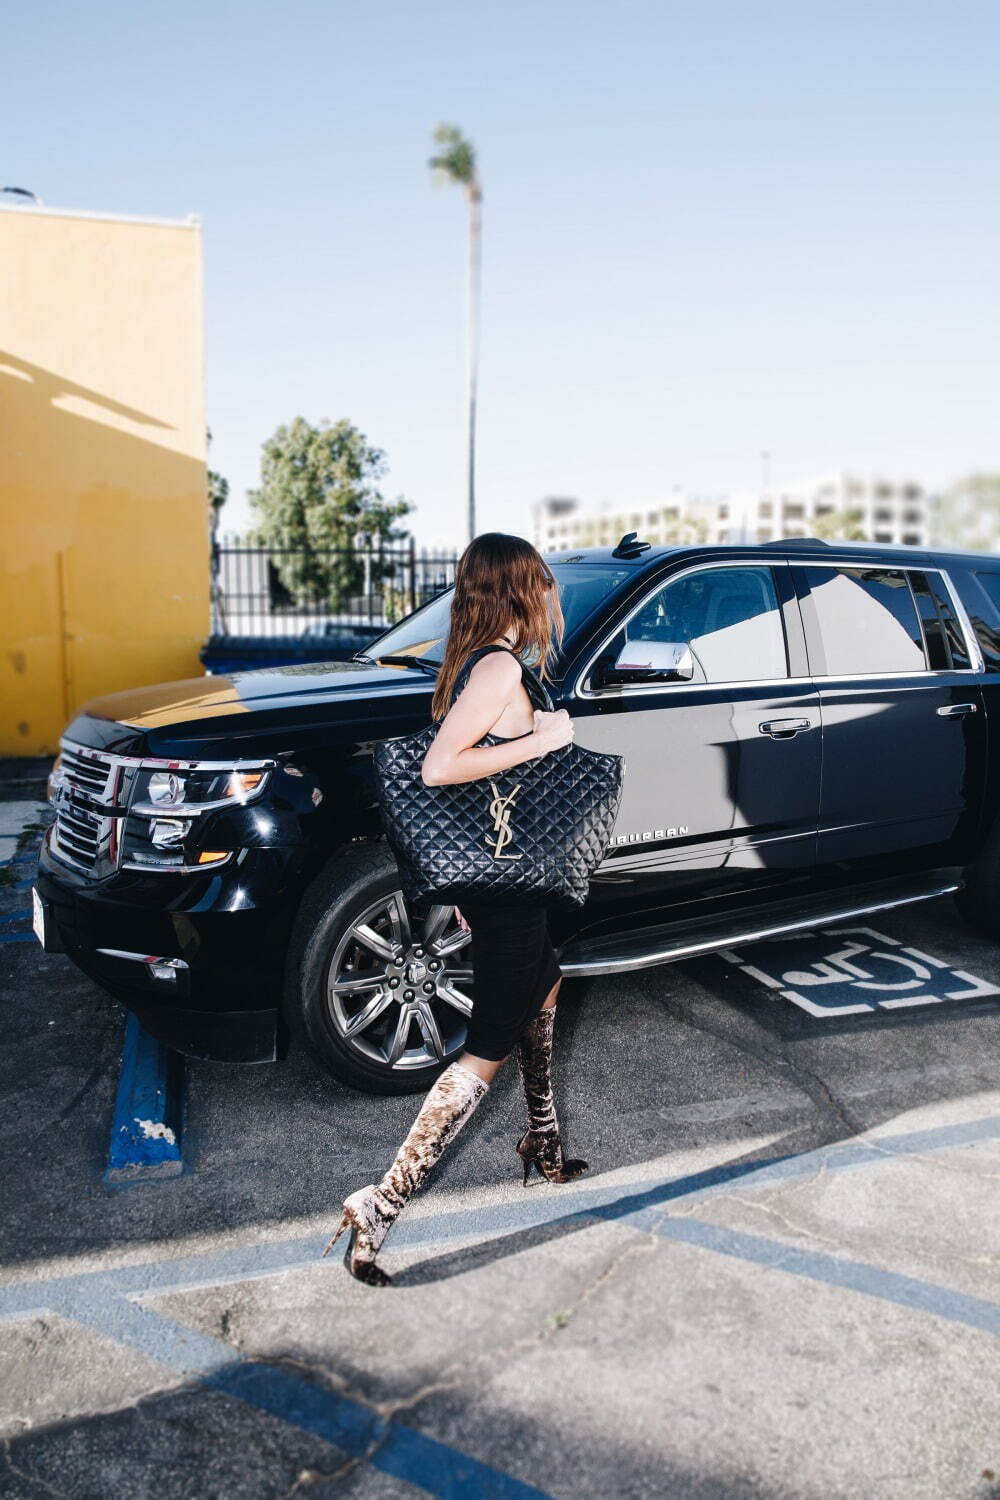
505	602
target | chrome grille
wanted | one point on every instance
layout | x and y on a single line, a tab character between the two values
92	774
79	835
84	836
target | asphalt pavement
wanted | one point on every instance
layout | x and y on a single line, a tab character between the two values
780	1278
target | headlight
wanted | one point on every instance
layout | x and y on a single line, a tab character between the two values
168	833
164	829
193	792
164	786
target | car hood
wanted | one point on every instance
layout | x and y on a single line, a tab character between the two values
162	717
266	688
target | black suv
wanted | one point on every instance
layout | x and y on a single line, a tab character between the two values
807	736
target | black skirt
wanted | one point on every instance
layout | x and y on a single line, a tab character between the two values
514	966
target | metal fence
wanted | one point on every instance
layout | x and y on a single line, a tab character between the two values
321	592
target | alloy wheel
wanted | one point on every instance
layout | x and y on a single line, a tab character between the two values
399	991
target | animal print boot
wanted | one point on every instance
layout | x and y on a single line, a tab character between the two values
371	1212
541	1145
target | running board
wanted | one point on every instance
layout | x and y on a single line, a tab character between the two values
649	946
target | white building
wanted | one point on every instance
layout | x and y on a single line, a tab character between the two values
884	509
561	523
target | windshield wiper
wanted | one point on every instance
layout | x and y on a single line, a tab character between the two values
410	661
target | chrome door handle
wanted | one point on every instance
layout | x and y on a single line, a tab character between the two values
780	729
955	710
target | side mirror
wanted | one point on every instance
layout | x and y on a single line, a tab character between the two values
652	661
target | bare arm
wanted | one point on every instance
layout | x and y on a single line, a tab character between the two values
454	755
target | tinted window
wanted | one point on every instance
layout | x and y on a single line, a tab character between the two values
866	618
958	651
935	640
583	587
730	618
985	621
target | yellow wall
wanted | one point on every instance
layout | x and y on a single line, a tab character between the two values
104	524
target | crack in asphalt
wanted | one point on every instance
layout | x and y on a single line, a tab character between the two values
806	1079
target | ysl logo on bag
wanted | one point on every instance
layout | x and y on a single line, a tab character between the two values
500	813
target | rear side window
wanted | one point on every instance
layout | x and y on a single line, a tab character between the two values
935	639
865	620
986	623
957	648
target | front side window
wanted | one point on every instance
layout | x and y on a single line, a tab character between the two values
583	588
729	617
865	618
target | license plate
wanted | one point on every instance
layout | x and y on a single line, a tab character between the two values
38	916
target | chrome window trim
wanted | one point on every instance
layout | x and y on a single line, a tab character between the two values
630	690
815	680
977	662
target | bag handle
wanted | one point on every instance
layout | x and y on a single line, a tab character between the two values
534	686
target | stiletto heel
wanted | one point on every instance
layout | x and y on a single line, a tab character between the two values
545	1152
340	1229
371	1212
541	1145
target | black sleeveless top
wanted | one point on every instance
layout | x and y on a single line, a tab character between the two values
463	677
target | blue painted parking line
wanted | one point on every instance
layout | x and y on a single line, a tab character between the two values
105	1300
404	1452
146	1129
15	916
273	1257
401	1451
834	1270
18	937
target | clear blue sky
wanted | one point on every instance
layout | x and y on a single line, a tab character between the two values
710	228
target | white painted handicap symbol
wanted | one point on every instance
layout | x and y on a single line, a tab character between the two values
861	970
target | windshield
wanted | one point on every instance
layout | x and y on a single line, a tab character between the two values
583	587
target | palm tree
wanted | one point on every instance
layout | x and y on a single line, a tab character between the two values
456	162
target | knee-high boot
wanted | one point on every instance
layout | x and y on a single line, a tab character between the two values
371	1212
541	1144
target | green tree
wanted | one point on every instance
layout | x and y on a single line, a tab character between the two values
686	530
967	515
319	494
456	162
218	489
218	494
839	525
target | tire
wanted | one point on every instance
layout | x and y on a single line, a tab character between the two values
979	898
417	1010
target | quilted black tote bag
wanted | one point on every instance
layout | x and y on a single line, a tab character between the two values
534	833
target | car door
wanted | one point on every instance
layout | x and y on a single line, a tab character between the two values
904	729
722	771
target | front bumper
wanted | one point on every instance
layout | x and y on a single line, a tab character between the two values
199	958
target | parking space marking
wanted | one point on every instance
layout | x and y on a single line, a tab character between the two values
110	1301
14	819
833	1270
868	972
393	1448
15	916
32	1298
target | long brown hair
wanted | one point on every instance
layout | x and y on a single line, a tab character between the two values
502	584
